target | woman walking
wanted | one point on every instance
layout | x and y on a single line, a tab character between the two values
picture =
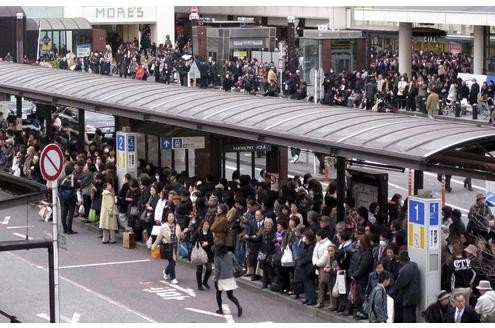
108	214
168	238
204	237
224	276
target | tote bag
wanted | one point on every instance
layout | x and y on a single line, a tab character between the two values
287	258
198	255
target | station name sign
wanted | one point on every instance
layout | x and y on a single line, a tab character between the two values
119	12
246	148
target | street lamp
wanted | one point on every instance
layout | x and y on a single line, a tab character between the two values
19	37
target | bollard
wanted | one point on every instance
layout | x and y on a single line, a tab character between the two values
443	190
410	182
326	170
475	111
457	109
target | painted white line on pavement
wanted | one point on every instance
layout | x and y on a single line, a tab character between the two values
101	264
20	227
227	314
188	291
204	312
456	181
90	291
21	235
75	317
6	220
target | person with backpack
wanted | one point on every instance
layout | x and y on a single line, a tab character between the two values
377	309
67	189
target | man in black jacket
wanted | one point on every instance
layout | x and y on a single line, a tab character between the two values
408	287
462	313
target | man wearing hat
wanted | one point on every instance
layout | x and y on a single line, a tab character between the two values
408	288
437	312
485	306
479	217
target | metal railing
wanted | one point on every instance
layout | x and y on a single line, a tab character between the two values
13	319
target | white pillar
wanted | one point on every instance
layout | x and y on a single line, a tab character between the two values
478	49
165	24
405	45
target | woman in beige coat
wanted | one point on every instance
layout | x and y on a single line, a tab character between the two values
108	214
170	233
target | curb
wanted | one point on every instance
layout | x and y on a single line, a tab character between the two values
244	281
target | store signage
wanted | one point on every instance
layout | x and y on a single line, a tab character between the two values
430	39
246	148
119	12
247	43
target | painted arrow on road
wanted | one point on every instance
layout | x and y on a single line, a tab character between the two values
6	220
75	317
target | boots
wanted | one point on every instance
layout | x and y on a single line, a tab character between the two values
198	280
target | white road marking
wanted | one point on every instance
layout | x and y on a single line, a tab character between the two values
188	291
227	314
20	227
101	264
6	220
21	236
204	312
90	291
75	317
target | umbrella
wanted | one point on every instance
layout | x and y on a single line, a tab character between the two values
186	57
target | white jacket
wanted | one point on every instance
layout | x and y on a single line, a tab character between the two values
486	304
320	253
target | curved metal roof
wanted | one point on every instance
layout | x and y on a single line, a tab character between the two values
64	24
407	141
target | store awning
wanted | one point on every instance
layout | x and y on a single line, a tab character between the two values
64	24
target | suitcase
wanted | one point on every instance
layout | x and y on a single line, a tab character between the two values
128	240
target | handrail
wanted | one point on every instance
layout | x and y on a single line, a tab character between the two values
13	319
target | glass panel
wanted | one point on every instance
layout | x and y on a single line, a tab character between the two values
310	54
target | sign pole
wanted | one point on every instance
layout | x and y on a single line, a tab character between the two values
410	182
443	190
55	248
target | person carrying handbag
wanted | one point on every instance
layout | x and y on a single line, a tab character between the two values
204	237
168	239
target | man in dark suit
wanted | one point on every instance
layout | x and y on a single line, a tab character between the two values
462	313
408	287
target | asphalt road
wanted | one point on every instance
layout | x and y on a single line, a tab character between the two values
108	283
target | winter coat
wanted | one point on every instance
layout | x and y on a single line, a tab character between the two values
361	265
486	304
378	305
306	262
224	266
320	253
164	237
436	313
219	227
408	284
200	237
231	233
108	212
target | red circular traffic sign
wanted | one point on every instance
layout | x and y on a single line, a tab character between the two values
51	162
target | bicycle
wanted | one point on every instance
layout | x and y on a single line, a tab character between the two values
447	107
485	108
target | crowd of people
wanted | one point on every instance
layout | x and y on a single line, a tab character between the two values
291	240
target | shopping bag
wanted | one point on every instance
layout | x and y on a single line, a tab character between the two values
183	249
353	295
198	255
92	216
155	252
81	210
156	230
341	282
287	258
149	242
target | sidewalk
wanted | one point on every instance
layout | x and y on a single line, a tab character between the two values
246	282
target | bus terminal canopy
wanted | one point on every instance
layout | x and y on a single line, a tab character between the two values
394	139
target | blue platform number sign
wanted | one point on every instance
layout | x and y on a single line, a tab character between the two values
434	213
177	143
165	143
416	212
120	142
131	143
